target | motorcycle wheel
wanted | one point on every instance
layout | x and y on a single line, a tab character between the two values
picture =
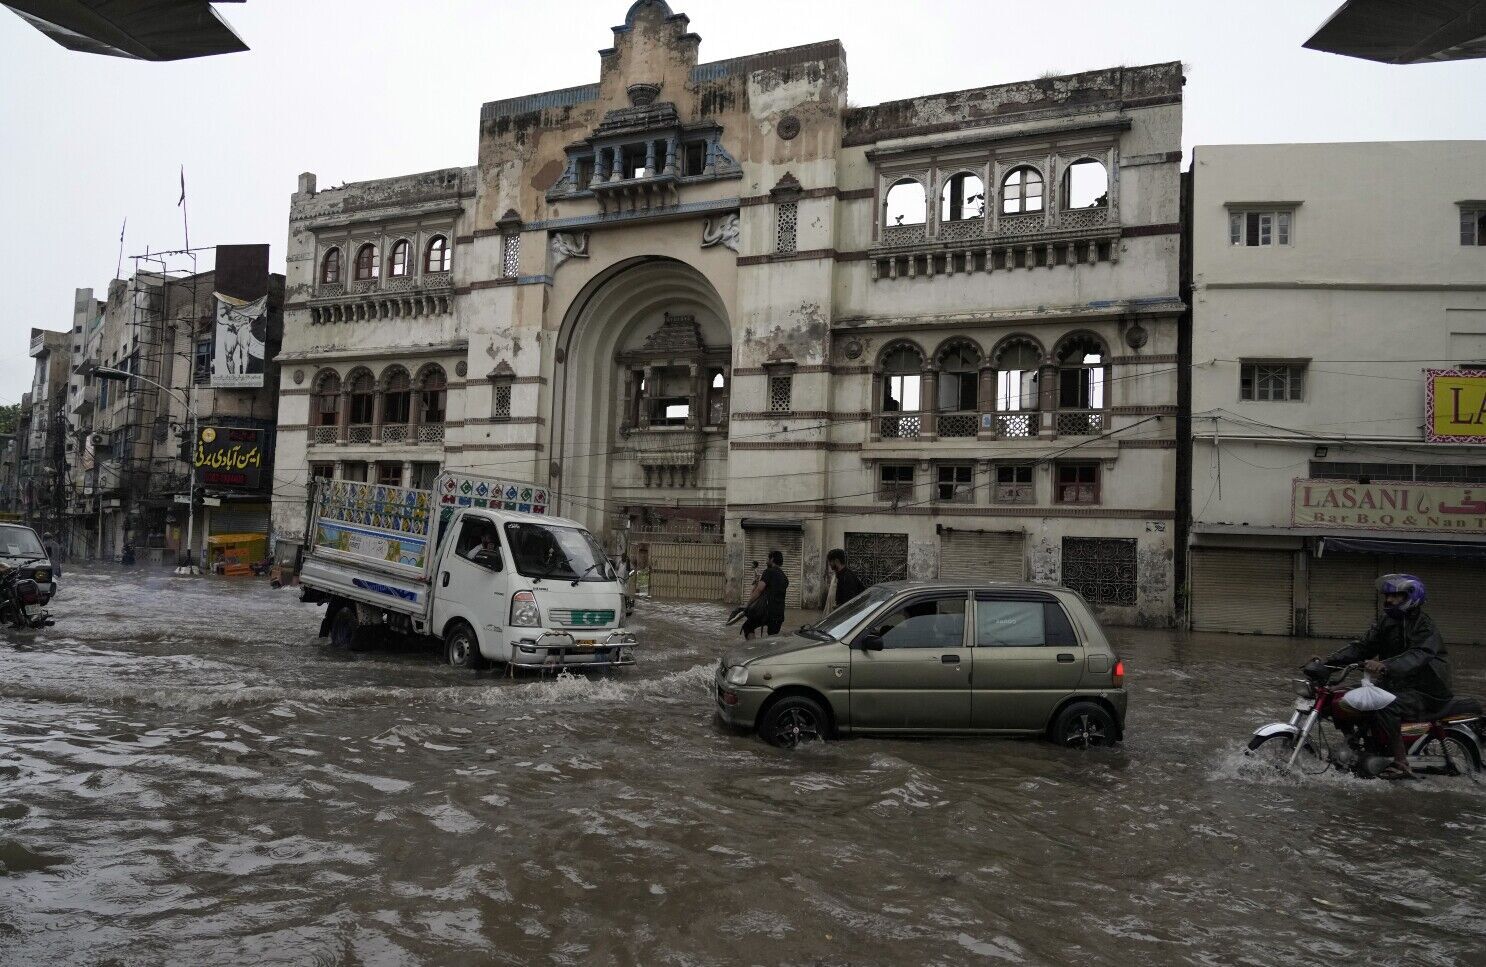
1275	751
1431	756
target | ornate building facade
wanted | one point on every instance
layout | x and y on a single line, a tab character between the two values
716	311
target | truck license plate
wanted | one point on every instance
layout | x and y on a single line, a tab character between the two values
585	643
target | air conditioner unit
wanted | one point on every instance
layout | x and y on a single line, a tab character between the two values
96	439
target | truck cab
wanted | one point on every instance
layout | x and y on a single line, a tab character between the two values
533	591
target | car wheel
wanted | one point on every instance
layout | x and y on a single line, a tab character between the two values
1085	725
462	649
793	721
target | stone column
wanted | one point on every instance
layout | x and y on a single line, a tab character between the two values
616	163
598	168
928	404
644	398
698	397
986	398
670	157
1047	396
343	419
407	473
649	157
379	407
415	414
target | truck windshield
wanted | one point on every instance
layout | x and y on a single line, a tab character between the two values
563	553
19	542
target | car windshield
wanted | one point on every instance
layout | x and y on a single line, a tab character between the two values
839	622
20	542
550	551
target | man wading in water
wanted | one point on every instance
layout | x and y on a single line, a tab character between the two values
765	608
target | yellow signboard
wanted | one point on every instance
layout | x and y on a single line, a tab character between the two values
1455	508
1455	405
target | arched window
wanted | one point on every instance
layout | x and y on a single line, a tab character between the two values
363	393
397	262
397	396
959	379
1016	378
431	396
1081	374
1085	185
1021	191
964	196
325	406
330	266
905	204
366	262
437	257
902	384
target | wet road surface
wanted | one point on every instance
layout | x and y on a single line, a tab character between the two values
189	776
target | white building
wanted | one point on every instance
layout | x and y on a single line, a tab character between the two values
1328	280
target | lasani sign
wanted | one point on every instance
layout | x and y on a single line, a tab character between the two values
1389	506
1455	406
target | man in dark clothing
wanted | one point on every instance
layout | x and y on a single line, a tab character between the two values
1403	651
766	603
848	584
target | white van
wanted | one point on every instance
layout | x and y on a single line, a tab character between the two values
525	589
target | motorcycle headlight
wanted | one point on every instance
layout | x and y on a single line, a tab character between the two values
1302	688
524	610
737	675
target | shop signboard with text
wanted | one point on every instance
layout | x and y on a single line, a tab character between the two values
1389	506
230	456
1455	405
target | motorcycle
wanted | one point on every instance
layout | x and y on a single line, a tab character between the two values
21	597
1449	744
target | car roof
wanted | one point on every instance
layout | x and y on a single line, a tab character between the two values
967	585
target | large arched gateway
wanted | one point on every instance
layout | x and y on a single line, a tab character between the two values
639	436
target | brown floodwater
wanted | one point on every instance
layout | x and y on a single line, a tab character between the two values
189	776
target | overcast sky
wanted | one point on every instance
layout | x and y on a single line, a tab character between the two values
356	89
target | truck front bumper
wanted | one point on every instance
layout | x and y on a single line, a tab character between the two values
566	649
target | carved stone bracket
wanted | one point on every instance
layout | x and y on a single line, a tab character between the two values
567	245
722	230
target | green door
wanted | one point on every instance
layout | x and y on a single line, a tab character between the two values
920	680
1027	660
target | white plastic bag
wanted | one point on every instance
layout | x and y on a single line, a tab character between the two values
1368	697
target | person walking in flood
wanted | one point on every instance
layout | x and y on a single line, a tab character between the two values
848	582
765	608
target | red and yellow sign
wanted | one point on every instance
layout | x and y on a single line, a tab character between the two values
1385	506
1455	405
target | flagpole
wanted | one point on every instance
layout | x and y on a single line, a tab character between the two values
185	224
119	266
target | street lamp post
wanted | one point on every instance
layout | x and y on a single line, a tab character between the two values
107	372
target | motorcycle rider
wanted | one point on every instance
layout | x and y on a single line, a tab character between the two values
1402	649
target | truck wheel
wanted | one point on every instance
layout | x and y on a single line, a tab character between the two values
462	649
344	627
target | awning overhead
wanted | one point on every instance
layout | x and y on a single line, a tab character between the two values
142	29
1405	31
1372	545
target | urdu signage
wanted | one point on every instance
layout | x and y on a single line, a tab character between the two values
230	456
1455	406
1402	506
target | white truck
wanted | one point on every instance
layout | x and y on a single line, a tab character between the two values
476	563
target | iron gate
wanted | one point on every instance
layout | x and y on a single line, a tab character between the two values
877	557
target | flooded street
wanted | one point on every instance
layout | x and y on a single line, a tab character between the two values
189	776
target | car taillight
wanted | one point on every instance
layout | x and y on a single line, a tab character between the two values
1119	673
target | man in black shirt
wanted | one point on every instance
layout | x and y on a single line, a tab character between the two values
848	584
766	603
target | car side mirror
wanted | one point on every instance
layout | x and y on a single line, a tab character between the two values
489	559
872	643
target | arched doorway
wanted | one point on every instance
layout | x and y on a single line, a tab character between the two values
639	436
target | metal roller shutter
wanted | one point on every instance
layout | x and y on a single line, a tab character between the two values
1241	591
1454	596
982	556
240	519
1343	600
759	541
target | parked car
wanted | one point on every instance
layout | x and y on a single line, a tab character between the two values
20	547
935	657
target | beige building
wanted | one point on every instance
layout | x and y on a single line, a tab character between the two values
711	310
1330	279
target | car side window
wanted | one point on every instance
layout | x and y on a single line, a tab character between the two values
1022	624
473	534
925	623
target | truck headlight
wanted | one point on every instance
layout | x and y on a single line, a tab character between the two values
524	610
737	675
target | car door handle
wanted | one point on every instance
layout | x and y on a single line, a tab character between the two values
950	659
1065	658
445	582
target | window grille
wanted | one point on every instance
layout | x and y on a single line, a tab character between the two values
510	255
781	390
501	408
787	218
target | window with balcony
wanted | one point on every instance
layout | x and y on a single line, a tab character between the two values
397	405
397	262
330	266
1081	387
717	397
905	204
1259	228
1021	191
1271	382
1085	185
432	396
895	482
438	256
325	401
694	157
366	263
363	399
963	197
1076	483
672	400
902	384
955	483
959	391
1014	484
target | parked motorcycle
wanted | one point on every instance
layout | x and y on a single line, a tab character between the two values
1450	744
21	595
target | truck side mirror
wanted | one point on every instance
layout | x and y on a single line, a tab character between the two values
489	559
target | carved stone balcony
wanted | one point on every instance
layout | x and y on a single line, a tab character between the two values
1081	422
953	425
